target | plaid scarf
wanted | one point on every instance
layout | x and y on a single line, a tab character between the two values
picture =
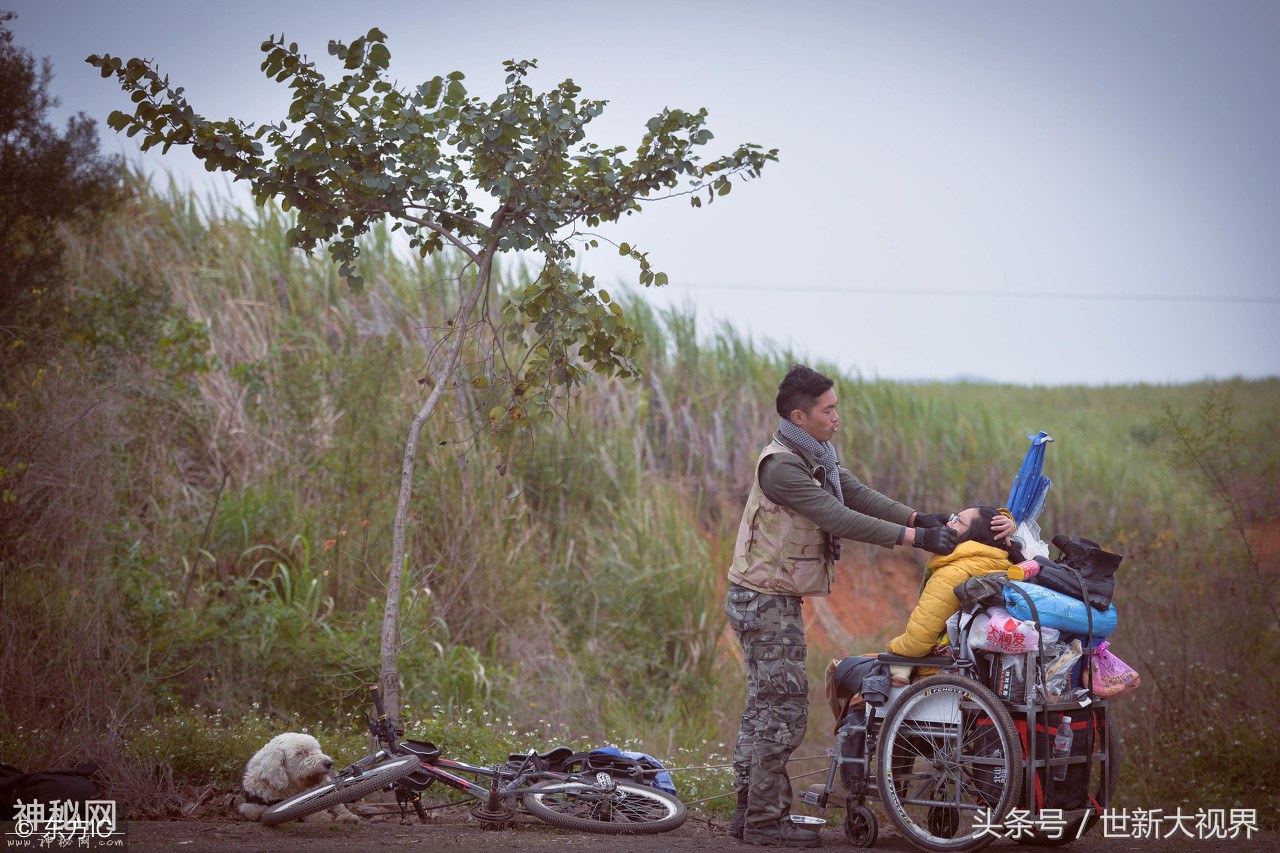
824	454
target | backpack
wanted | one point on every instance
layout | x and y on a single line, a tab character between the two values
44	787
630	766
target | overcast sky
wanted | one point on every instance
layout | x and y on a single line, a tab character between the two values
1031	192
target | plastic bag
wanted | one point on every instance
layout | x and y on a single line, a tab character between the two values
1057	674
1028	534
1011	681
1111	676
996	630
953	627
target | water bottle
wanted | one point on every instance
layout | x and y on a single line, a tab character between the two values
1062	747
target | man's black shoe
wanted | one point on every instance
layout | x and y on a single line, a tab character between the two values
782	834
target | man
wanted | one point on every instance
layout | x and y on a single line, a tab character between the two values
802	503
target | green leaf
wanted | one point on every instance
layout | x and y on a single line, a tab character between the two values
660	279
379	56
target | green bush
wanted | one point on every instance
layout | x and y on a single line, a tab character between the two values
202	746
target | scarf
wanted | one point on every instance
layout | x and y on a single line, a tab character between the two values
824	454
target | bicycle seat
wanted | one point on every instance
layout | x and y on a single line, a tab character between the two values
424	749
931	660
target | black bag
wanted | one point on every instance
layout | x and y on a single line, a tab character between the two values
1073	791
46	787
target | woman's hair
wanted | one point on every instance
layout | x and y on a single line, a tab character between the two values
980	531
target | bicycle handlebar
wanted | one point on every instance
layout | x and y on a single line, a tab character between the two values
377	700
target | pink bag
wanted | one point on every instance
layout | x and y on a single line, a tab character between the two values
1111	676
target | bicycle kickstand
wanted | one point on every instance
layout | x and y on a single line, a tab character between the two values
404	799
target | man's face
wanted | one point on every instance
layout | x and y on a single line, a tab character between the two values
821	421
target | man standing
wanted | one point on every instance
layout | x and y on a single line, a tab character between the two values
802	503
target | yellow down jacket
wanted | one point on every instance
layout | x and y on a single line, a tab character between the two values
938	600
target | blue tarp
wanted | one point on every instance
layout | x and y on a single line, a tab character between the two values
662	780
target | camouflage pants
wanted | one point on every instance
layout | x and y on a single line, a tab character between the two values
771	630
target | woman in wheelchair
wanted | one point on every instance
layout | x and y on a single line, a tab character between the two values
978	552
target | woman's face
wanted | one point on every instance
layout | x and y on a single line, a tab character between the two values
962	521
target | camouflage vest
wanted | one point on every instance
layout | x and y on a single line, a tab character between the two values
779	551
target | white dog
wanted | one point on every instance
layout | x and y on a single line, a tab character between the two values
289	764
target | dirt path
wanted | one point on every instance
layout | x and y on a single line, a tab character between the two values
532	837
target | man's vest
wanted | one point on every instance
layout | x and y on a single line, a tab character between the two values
779	551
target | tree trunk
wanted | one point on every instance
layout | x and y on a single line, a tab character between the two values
389	675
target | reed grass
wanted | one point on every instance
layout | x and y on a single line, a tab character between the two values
209	507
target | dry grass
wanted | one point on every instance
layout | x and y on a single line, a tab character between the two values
189	505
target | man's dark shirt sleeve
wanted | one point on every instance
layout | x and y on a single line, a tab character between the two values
866	516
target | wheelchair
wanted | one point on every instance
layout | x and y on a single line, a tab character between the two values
960	758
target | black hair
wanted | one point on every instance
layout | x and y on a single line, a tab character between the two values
800	389
980	531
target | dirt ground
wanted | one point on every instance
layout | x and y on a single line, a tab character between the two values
528	836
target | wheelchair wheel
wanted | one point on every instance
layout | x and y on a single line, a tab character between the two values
860	825
1102	789
949	764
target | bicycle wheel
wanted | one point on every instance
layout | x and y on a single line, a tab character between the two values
949	765
608	807
344	789
1099	794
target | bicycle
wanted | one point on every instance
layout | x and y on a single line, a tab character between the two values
545	785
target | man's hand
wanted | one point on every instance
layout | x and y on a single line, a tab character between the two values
932	519
938	540
1002	527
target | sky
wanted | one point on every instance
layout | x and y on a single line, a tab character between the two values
1037	193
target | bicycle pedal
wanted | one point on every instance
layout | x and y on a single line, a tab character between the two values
809	798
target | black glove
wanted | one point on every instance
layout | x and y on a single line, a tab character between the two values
939	540
932	519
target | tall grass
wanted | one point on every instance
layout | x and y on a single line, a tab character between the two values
210	466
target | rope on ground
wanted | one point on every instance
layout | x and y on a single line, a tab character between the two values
724	766
734	793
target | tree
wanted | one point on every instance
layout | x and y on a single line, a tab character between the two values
47	179
511	174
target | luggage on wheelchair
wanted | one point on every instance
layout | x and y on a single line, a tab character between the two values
1073	791
1066	794
1057	610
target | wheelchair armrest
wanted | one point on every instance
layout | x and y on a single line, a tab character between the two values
931	660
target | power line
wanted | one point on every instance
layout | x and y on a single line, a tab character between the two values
997	294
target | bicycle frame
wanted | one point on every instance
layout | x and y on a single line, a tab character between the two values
505	786
550	787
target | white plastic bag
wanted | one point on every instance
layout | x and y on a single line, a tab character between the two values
996	630
1057	673
1028	533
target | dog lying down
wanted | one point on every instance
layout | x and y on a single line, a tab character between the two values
289	764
